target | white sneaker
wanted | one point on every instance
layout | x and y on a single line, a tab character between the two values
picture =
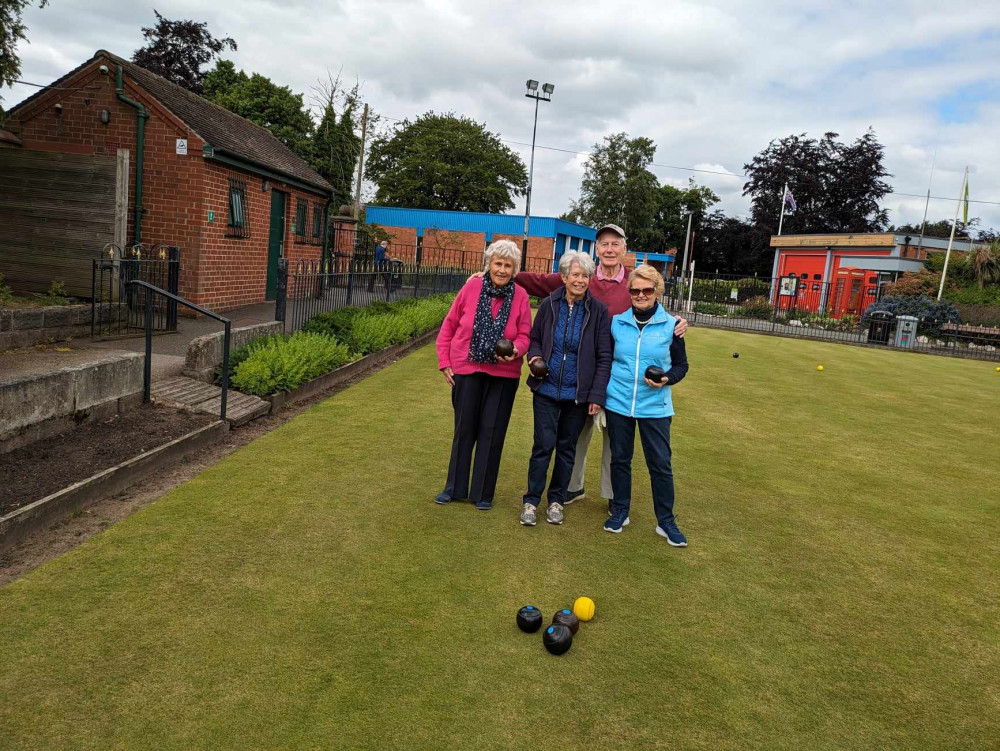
554	513
528	516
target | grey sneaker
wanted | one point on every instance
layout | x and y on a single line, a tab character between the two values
528	515
554	513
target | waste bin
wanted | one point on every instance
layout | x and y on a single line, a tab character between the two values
880	327
906	331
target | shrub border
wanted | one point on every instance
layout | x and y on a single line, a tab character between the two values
375	360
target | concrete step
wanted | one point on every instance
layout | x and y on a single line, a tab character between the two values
204	397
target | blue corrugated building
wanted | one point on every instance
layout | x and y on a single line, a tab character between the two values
562	234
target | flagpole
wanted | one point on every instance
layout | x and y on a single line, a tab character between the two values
781	220
951	240
923	223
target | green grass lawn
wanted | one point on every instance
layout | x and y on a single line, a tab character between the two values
840	590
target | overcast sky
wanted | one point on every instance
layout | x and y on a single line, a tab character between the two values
710	82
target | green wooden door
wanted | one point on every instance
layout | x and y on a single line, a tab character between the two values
275	242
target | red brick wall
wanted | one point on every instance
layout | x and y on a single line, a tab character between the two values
217	272
539	252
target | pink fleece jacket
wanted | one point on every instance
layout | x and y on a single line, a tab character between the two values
456	332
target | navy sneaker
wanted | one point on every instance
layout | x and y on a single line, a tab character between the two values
484	505
617	522
442	498
674	536
573	496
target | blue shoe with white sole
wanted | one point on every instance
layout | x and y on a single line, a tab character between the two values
674	536
616	523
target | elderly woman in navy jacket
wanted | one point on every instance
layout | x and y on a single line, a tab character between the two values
572	336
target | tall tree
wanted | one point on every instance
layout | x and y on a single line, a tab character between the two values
673	206
445	162
731	245
336	147
12	31
837	186
177	50
262	101
618	187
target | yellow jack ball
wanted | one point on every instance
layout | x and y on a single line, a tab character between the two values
819	367
584	608
998	369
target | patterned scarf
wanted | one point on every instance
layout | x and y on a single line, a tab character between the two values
487	330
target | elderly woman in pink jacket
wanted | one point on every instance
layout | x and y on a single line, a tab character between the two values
483	384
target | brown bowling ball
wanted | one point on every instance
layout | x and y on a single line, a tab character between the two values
538	368
567	618
504	348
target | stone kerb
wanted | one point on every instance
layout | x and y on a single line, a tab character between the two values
37	406
25	327
204	353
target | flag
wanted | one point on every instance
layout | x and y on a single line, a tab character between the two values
790	200
965	208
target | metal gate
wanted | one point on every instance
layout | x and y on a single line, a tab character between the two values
117	308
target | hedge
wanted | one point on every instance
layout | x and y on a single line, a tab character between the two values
274	364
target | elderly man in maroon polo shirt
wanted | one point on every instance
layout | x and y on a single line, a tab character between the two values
610	286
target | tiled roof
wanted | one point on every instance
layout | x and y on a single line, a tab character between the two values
217	126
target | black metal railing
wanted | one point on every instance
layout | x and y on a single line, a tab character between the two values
117	309
312	289
147	374
836	311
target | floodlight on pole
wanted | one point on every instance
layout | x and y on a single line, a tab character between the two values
544	96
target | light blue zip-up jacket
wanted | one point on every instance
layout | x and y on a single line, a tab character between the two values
635	351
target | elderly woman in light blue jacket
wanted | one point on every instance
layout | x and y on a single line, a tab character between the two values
643	336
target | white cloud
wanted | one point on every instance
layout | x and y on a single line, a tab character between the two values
711	82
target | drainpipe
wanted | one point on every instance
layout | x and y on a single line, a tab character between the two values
325	259
140	116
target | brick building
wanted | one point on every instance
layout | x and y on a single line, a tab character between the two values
227	192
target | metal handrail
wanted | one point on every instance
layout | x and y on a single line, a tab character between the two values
147	375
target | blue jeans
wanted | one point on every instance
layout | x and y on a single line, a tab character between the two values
654	432
557	428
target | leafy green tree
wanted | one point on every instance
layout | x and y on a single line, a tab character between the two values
445	162
177	50
673	207
12	31
838	187
336	146
262	101
941	229
618	187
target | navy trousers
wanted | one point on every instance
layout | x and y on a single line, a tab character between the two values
654	432
483	404
557	428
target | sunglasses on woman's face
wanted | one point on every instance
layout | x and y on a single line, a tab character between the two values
645	291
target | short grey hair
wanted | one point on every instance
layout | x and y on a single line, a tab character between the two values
585	262
502	249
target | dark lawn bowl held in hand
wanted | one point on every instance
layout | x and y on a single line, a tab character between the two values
567	618
529	619
655	373
557	638
504	348
538	368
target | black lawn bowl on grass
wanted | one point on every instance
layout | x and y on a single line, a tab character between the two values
557	639
736	354
529	619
